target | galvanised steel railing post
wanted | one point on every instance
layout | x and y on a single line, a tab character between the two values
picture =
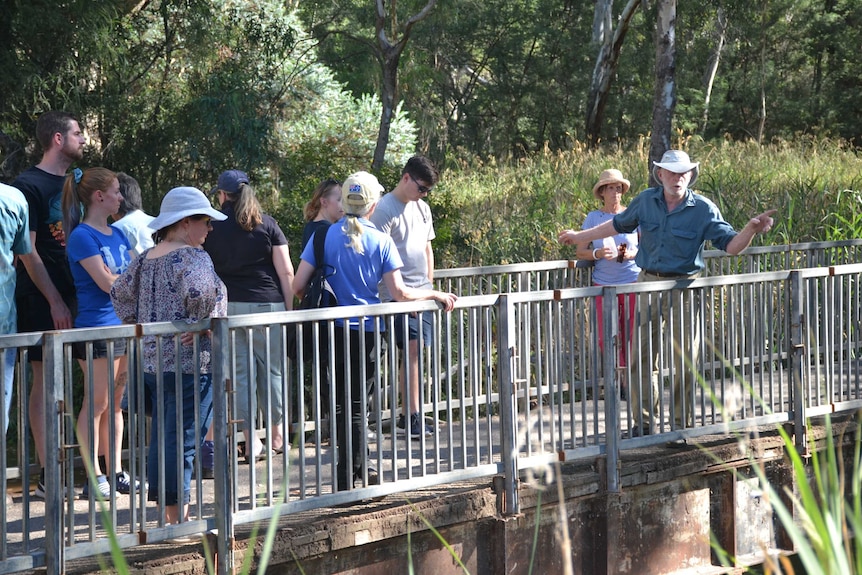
506	339
223	484
52	355
610	329
798	355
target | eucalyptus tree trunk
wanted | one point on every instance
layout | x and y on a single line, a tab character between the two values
720	34
664	98
610	42
390	56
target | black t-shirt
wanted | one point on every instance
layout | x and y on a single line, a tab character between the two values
243	260
44	193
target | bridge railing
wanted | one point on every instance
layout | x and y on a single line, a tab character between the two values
561	274
511	382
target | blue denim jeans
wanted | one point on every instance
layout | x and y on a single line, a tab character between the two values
165	415
8	380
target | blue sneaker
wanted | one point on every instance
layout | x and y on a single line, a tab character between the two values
123	483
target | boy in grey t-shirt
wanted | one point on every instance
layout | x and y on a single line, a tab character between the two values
406	217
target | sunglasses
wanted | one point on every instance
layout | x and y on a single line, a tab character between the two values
422	189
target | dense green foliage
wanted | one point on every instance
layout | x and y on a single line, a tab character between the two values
503	212
174	93
510	77
493	91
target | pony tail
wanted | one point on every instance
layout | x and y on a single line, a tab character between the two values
353	230
248	210
73	207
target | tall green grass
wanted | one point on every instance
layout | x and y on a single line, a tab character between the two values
492	212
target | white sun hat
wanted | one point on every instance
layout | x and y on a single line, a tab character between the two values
677	162
180	203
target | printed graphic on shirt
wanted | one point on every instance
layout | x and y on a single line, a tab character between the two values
55	219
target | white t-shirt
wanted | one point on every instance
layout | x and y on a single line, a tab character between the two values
134	227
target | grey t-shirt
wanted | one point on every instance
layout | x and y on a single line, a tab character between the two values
411	227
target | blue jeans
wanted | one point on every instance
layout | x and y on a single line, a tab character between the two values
166	415
8	380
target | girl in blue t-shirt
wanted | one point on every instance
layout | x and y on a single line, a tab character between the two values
360	256
97	254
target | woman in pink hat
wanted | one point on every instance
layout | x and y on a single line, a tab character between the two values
614	257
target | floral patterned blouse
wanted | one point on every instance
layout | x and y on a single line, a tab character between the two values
179	286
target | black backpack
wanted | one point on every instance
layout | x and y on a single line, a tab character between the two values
317	294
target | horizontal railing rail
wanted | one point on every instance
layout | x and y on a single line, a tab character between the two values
561	274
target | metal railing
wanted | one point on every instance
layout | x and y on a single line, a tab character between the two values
561	274
511	382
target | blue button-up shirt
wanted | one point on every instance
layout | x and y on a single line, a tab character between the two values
672	243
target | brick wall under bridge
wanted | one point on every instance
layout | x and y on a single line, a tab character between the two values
670	503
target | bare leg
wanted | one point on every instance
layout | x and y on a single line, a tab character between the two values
413	360
114	460
277	437
37	410
101	423
172	514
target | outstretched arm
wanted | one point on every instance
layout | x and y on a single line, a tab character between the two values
759	224
569	237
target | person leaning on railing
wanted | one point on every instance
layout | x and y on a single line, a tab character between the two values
175	281
675	224
360	256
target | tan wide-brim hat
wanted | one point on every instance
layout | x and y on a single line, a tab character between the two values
611	176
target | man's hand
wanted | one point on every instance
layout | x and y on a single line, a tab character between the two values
762	223
567	237
61	315
447	299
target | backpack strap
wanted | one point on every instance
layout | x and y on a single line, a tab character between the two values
319	242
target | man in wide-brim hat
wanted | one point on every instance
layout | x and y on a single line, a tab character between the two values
675	224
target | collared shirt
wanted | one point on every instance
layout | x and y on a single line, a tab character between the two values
673	243
134	227
14	240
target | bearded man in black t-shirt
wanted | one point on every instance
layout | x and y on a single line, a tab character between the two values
45	292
